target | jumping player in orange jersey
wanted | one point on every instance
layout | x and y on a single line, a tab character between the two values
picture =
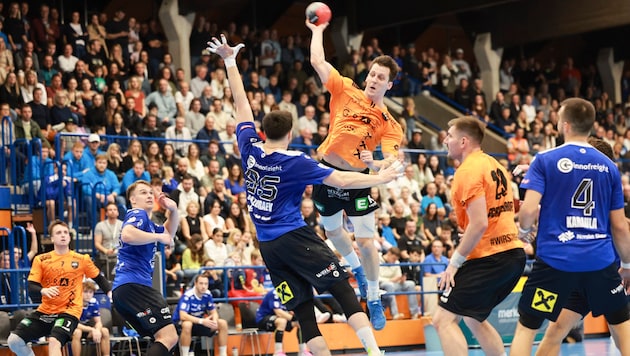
359	121
489	259
56	279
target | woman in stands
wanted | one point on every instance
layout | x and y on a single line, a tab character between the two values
192	223
134	153
432	222
235	182
135	90
195	166
236	219
169	157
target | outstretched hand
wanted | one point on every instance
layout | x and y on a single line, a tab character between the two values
223	49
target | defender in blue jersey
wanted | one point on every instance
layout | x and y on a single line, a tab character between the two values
296	257
581	215
90	325
196	314
143	307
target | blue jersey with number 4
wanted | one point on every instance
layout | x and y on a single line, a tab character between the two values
275	183
135	262
579	187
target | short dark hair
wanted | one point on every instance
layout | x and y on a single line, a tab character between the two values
54	223
579	113
277	124
389	62
470	126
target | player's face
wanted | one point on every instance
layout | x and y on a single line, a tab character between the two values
201	285
143	197
60	236
377	82
453	142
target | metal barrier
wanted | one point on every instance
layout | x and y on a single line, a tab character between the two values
6	146
13	280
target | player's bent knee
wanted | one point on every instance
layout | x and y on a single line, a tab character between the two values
187	325
281	323
618	317
530	321
222	324
344	294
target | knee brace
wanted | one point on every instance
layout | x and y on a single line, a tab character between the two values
308	325
344	294
17	345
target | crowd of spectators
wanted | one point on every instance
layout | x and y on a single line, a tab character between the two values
114	82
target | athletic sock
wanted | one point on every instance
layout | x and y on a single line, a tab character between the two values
366	336
353	259
373	290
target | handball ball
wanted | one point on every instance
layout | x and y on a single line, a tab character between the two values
318	13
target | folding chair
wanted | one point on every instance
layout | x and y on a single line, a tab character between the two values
226	312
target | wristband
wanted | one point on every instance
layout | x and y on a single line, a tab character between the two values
229	62
457	260
625	265
524	231
200	321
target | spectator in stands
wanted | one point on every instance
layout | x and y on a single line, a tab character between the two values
219	116
169	157
150	128
93	148
448	73
80	162
200	81
228	137
463	68
138	172
50	291
195	165
56	184
97	33
167	109
518	147
431	222
41	112
446	237
273	316
134	90
76	35
479	108
107	189
172	268
131	118
392	279
206	98
192	223
14	28
193	256
181	171
506	122
25	128
11	93
196	315
90	325
29	85
435	263
96	115
422	172
195	120
497	106
180	136
410	239
185	195
464	95
431	197
215	248
106	233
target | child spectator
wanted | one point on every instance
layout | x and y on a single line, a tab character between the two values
90	325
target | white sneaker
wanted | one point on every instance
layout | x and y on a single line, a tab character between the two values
339	318
322	318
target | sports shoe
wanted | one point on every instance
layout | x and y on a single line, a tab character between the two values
377	314
322	318
359	275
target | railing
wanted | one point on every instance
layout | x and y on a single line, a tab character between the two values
14	285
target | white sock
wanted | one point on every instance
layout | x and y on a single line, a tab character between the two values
183	350
277	347
353	259
222	350
366	336
302	348
373	290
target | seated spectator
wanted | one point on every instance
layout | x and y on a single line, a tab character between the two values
90	325
220	117
133	154
169	184
106	191
518	147
115	160
273	316
58	183
506	122
192	224
173	269
414	272
392	279
432	197
435	263
196	167
184	194
117	128
235	182
180	136
228	137
431	222
410	239
386	232
80	162
215	248
138	172
193	256
196	315
165	102
195	120
169	157
38	166
236	219
446	236
218	194
215	278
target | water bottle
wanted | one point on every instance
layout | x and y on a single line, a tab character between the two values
234	351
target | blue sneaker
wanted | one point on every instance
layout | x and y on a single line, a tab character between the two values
377	314
359	275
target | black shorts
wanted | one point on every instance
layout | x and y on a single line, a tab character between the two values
548	290
298	261
38	324
482	283
197	330
142	307
268	323
355	202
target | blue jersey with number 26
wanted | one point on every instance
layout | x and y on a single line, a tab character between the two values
579	187
275	183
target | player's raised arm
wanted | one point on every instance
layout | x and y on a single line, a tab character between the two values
318	59
243	110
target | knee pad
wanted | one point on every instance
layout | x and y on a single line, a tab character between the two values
344	294
530	321
364	226
308	325
332	222
619	316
